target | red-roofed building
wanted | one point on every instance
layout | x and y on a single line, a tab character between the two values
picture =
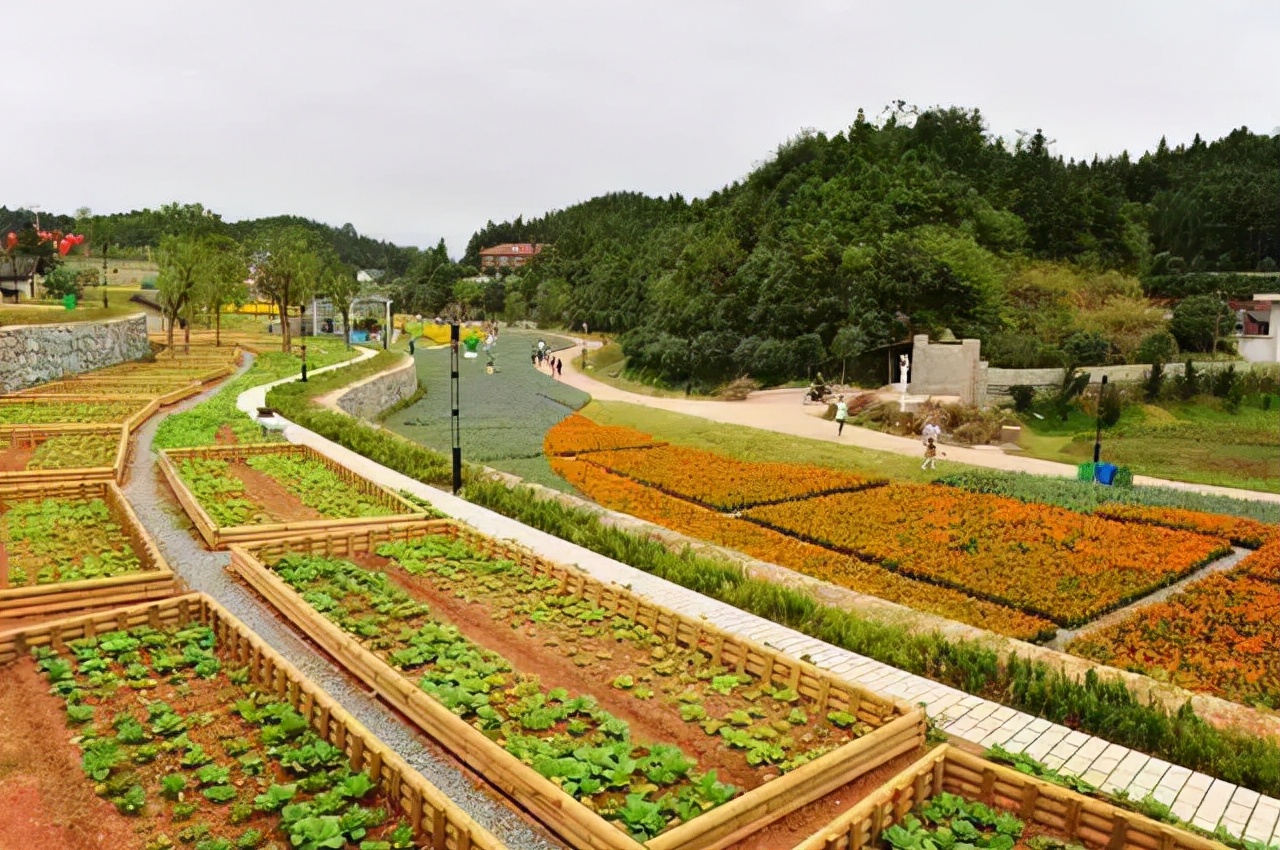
509	255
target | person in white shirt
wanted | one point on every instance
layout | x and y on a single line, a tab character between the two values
842	413
930	432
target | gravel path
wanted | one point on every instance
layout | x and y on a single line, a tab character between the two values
206	572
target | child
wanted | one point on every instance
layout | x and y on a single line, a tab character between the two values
930	455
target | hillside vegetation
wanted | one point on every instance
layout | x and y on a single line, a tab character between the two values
925	222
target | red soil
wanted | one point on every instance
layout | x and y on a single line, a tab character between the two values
45	800
14	459
276	500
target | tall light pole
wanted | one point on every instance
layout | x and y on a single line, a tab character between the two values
1097	440
455	426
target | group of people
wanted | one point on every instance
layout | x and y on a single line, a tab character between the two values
928	435
541	355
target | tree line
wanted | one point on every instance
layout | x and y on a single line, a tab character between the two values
923	222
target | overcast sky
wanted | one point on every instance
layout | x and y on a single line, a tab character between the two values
414	121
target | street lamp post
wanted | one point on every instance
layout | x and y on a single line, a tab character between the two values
304	362
455	426
1097	440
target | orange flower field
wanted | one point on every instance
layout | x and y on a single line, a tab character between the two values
1011	567
725	483
620	494
1065	566
1240	531
577	434
1221	636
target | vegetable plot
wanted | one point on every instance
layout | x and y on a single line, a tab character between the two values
1047	561
63	539
209	739
649	733
234	491
53	411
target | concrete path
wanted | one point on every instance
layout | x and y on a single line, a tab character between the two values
1194	797
784	412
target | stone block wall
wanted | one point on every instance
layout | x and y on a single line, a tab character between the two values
35	354
1000	380
368	398
946	368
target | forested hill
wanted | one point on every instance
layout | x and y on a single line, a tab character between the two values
135	231
841	244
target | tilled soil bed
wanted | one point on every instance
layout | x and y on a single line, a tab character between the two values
178	749
645	733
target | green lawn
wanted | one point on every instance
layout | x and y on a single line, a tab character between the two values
1196	441
51	315
504	416
753	444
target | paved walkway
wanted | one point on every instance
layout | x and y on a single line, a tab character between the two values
784	412
1194	797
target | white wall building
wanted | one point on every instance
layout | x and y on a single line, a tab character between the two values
1258	327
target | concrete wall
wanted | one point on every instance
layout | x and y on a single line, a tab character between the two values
945	368
368	398
1000	380
1258	349
34	354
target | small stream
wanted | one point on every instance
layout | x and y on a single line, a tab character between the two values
206	572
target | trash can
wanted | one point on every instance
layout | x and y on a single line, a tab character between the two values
359	336
1105	473
1084	472
69	301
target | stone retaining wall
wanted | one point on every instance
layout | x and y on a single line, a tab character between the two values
999	380
34	354
368	398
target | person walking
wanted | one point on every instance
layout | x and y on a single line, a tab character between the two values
930	431
559	368
842	413
551	367
930	455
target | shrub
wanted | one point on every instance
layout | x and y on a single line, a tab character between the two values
1199	321
1223	381
739	389
1023	397
1153	384
1188	383
1086	348
1159	347
1020	351
61	282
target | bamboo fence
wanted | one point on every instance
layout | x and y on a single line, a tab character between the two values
34	435
437	822
219	537
1043	806
146	405
155	581
897	728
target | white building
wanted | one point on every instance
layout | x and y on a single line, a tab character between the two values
1257	327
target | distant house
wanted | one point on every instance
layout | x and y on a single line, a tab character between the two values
1257	327
508	255
369	275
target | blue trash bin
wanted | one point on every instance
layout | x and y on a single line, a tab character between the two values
1105	473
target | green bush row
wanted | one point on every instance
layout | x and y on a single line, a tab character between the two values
1087	497
1105	708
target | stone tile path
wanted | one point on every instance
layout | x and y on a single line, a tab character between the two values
1194	797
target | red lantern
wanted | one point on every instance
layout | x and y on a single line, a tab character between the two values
63	247
11	239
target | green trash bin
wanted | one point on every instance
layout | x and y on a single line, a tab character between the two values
69	301
1085	472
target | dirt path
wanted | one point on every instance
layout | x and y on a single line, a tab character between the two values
45	800
15	459
783	412
275	499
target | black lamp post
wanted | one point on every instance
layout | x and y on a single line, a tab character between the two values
455	426
304	362
1097	440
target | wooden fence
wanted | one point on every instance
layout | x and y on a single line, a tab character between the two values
897	728
219	537
1050	808
145	406
438	823
155	581
32	436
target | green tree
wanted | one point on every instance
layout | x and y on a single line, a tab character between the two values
222	279
182	261
1200	321
286	270
340	286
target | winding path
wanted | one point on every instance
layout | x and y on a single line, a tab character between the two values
784	412
206	572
